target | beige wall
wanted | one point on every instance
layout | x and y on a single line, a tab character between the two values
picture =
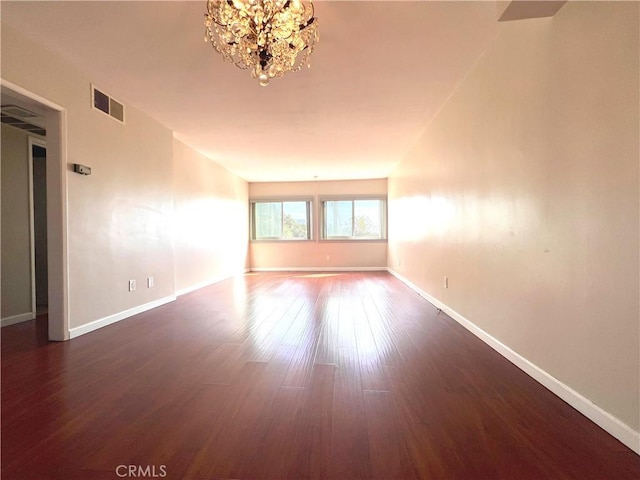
313	254
141	198
16	250
524	192
211	210
119	217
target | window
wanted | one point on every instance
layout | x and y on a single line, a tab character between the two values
354	218
281	220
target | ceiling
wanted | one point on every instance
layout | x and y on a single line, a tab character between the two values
381	71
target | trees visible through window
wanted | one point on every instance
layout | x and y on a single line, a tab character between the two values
281	220
354	219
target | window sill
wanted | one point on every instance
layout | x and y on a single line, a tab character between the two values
353	240
281	240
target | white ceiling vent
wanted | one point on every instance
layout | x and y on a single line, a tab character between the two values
104	103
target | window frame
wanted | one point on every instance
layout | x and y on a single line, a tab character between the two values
351	198
282	201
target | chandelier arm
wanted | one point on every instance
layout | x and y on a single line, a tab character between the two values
229	25
240	65
215	20
313	14
301	29
210	11
270	17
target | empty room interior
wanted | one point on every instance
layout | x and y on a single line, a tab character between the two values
400	241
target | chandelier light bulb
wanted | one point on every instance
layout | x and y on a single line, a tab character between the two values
268	37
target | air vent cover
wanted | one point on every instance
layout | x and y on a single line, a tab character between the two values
16	111
104	103
22	124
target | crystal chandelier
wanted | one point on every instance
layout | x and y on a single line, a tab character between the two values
270	37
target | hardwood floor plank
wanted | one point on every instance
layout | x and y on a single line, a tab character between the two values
216	452
387	448
371	362
313	434
283	419
349	456
327	351
303	334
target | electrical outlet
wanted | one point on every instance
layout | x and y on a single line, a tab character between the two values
149	282
446	282
328	258
398	262
132	285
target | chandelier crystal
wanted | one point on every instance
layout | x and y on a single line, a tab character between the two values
269	37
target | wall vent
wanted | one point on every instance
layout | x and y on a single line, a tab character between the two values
106	104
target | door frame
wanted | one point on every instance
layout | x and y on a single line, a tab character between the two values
57	209
39	142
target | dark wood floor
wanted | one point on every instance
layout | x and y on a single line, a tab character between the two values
288	376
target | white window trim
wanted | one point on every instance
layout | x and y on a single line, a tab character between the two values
310	211
351	198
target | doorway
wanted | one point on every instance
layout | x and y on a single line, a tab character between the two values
54	294
39	270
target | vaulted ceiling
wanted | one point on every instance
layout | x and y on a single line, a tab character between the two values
381	71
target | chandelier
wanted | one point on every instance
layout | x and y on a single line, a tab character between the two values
270	37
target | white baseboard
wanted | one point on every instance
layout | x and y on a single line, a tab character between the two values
319	269
206	283
596	414
103	322
12	320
